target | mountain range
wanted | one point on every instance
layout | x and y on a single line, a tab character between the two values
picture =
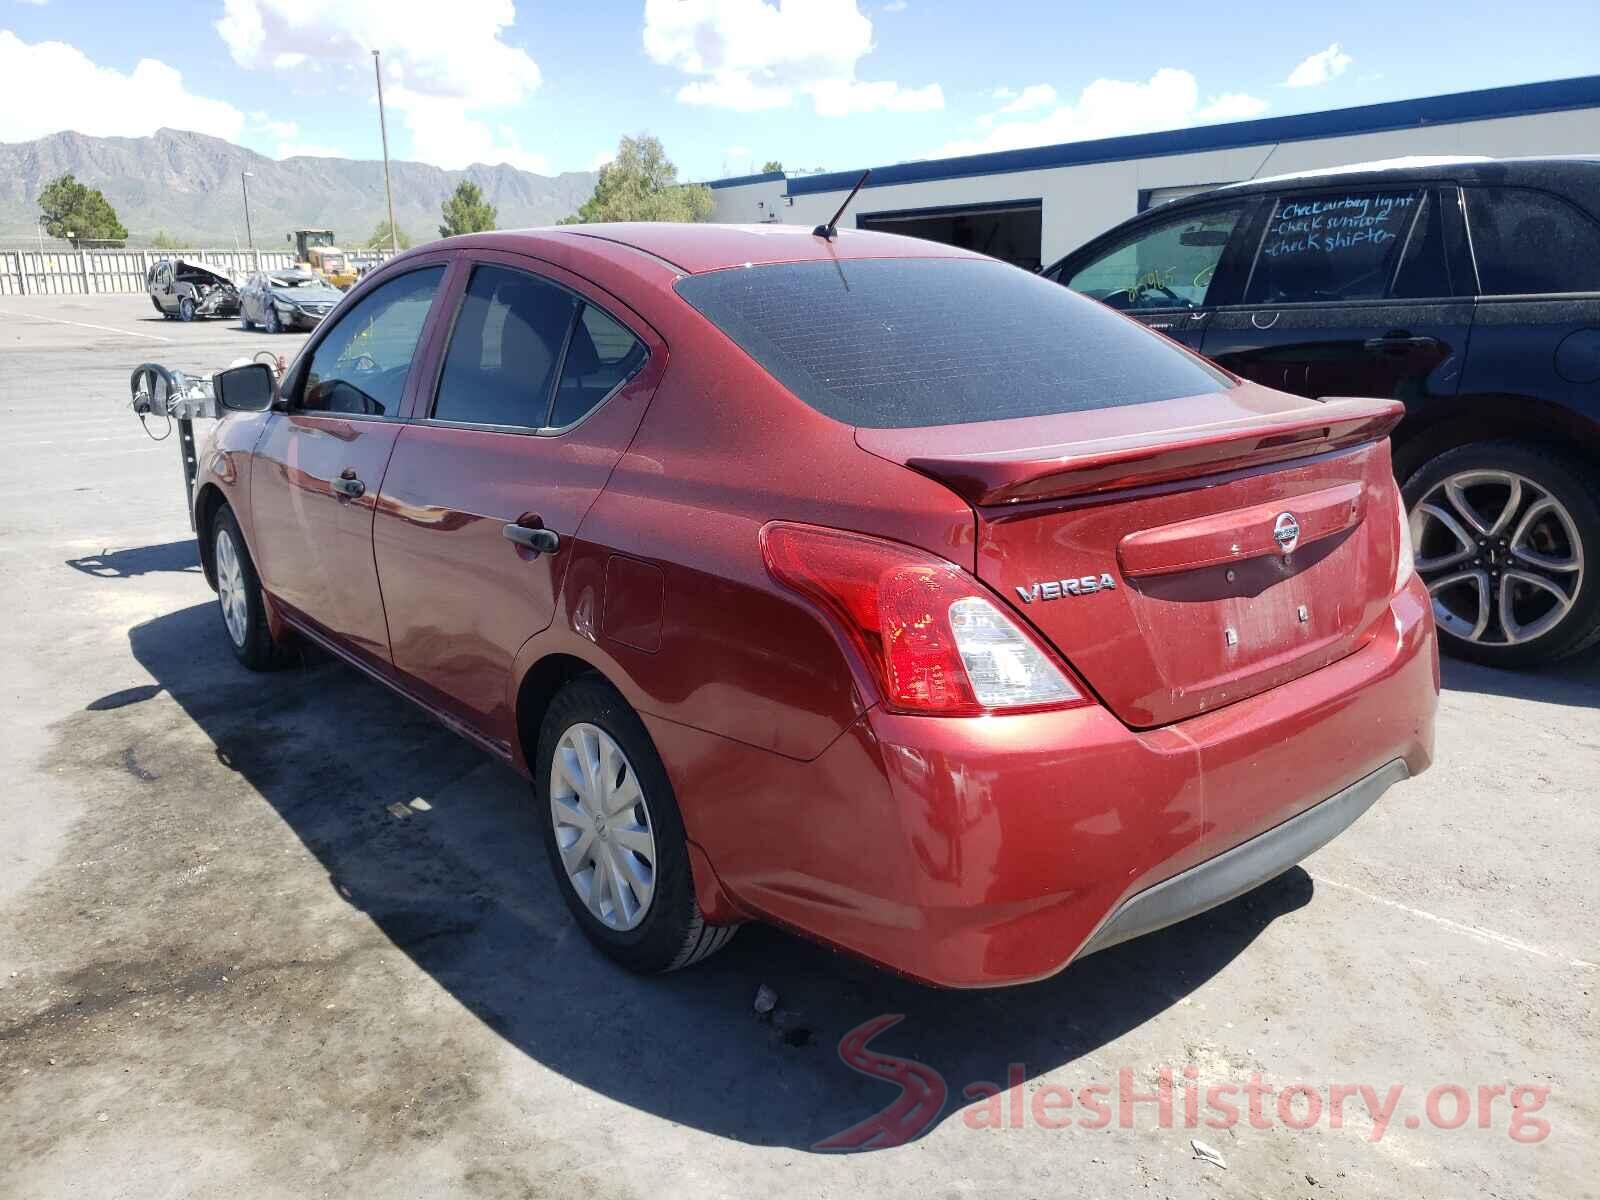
188	186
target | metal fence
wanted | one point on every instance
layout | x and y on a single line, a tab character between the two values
63	272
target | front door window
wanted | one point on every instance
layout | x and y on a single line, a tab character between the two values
1169	265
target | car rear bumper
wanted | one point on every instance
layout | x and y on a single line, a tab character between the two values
990	851
1248	865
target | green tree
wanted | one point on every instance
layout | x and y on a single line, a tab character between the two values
71	209
165	241
380	236
771	165
466	211
641	184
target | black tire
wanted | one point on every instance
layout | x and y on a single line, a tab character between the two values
156	304
1575	486
252	640
245	322
274	325
185	309
672	933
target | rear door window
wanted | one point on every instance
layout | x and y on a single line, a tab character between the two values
1332	246
505	350
893	343
1528	243
1169	265
601	356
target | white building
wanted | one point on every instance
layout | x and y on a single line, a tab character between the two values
1032	206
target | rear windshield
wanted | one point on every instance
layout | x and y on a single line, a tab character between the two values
897	342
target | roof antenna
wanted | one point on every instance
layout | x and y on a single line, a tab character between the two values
831	229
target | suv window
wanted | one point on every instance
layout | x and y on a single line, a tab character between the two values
1424	264
1170	265
360	367
896	342
1528	242
1332	246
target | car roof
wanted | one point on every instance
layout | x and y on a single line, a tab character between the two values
1552	171
696	248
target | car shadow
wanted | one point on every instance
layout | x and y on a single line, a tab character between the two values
139	560
1574	682
439	848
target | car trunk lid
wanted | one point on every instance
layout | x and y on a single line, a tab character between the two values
1181	554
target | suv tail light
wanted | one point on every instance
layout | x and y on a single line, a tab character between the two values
930	633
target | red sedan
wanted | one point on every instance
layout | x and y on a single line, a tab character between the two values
861	585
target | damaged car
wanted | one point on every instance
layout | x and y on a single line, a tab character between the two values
292	299
182	291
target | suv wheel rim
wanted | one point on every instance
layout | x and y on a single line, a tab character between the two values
602	826
1500	555
231	589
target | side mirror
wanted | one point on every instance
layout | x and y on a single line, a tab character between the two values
245	389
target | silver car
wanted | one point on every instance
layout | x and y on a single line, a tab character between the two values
280	300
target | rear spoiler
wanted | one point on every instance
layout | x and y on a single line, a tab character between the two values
1105	464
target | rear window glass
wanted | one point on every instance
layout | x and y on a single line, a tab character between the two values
893	343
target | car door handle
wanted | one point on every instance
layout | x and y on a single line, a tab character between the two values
347	484
1399	341
540	541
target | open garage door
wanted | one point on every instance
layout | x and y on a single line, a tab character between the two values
1010	230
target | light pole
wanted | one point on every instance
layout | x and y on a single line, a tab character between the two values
249	238
383	128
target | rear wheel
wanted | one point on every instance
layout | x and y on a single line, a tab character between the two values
156	304
613	834
244	611
1507	536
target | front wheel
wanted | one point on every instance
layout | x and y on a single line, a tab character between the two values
1507	536
613	834
274	323
244	610
186	309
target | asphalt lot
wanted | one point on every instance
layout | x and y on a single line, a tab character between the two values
281	936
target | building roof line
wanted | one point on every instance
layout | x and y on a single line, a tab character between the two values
1525	99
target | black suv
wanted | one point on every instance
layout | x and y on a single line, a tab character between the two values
1469	290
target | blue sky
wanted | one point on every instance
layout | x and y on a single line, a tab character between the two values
727	84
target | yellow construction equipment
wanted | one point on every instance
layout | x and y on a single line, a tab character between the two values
314	250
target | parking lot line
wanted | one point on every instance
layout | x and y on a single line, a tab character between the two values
1474	931
154	337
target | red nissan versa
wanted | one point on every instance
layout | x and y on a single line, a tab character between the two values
865	586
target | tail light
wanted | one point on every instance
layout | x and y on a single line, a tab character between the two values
930	633
1406	556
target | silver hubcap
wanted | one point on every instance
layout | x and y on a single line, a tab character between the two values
602	825
230	588
1501	556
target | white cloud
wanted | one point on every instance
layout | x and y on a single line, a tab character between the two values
99	101
1170	99
601	159
447	67
737	152
1319	68
753	55
1034	96
1231	106
35	3
891	7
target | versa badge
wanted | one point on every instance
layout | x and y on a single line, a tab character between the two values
1054	589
